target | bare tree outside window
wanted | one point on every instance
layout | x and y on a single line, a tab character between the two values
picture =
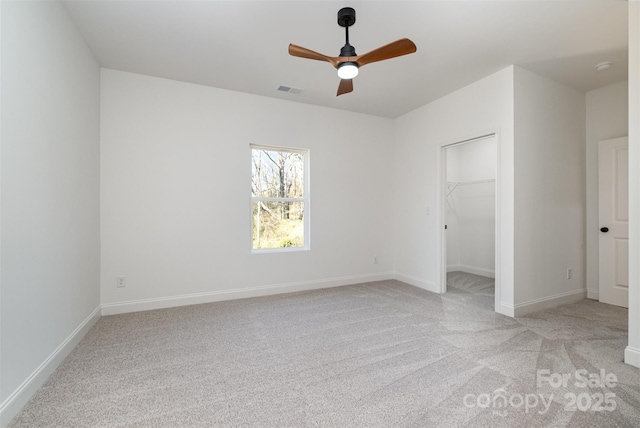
278	197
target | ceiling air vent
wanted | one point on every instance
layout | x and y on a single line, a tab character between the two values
289	89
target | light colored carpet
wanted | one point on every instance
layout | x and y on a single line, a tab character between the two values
472	289
381	354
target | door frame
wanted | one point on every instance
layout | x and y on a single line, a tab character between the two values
442	206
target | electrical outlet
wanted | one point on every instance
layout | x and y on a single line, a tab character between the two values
569	273
120	281
375	260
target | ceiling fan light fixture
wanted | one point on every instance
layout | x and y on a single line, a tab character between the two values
348	70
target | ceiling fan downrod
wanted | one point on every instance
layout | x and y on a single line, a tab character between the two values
346	18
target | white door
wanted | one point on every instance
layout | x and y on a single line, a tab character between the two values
613	190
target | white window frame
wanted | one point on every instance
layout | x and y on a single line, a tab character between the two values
305	200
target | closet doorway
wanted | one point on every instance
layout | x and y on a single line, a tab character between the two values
469	214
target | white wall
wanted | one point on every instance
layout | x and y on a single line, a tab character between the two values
471	207
547	204
607	117
482	107
50	205
549	192
632	353
175	194
477	228
476	160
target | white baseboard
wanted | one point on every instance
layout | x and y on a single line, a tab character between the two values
632	356
489	273
453	268
524	308
506	309
242	293
593	294
17	400
418	282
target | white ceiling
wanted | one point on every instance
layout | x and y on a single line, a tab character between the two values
242	45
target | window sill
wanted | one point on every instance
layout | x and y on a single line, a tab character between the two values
280	250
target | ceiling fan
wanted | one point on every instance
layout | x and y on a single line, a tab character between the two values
348	62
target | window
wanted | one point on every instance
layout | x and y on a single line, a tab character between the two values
279	198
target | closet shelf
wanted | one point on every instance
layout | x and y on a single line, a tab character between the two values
465	183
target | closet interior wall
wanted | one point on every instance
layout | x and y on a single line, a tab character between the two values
470	198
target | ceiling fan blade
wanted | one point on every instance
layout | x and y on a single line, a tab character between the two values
392	50
345	86
301	52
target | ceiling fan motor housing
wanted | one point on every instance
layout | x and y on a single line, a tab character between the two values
348	50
